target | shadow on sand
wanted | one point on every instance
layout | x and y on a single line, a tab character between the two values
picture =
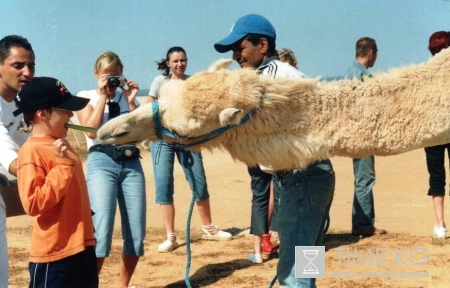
210	274
333	240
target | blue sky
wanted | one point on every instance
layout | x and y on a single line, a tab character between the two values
67	36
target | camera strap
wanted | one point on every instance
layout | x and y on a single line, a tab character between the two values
120	97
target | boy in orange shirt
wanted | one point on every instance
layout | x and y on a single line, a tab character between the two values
53	189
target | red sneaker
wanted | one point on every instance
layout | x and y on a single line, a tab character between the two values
267	246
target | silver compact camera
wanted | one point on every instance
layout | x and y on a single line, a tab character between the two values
116	81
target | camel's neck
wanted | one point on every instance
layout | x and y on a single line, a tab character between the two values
386	115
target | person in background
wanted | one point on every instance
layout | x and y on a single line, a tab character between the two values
114	172
305	196
265	197
163	155
435	155
17	67
53	189
363	212
288	56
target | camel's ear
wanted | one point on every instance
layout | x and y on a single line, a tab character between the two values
220	64
230	116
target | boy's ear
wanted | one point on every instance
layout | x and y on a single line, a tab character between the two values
41	114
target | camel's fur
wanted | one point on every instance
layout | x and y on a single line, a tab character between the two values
302	120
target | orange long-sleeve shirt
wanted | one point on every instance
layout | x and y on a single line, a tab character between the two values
54	191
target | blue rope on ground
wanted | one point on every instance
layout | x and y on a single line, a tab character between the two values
188	243
189	162
273	282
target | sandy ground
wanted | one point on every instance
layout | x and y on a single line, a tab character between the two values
402	208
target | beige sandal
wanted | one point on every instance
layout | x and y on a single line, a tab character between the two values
219	235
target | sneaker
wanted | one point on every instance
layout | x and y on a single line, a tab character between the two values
369	232
167	246
220	235
255	258
267	246
440	232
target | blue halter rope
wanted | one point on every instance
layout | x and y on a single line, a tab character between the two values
160	129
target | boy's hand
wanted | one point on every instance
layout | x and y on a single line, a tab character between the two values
60	148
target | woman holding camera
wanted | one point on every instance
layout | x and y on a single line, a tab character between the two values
163	155
114	173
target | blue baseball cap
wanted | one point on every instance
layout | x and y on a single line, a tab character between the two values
252	23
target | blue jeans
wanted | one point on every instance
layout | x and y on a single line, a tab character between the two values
110	182
260	185
305	200
436	168
363	212
163	156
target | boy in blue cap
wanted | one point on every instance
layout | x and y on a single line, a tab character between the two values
305	196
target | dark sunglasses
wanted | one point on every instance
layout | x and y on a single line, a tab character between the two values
114	109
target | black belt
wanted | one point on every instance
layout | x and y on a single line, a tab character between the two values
100	147
281	173
122	152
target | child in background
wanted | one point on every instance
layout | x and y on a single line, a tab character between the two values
53	189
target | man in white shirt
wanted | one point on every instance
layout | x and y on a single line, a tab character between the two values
16	69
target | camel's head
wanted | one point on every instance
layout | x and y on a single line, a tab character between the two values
204	102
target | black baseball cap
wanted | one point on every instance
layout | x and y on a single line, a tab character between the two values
46	92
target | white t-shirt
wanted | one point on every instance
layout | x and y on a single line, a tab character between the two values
158	81
94	97
11	136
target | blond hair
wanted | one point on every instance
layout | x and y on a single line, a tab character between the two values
286	55
106	60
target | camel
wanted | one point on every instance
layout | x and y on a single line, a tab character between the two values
292	123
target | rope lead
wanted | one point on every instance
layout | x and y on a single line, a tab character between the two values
189	162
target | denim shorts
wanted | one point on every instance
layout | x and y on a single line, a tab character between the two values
110	182
260	186
163	156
